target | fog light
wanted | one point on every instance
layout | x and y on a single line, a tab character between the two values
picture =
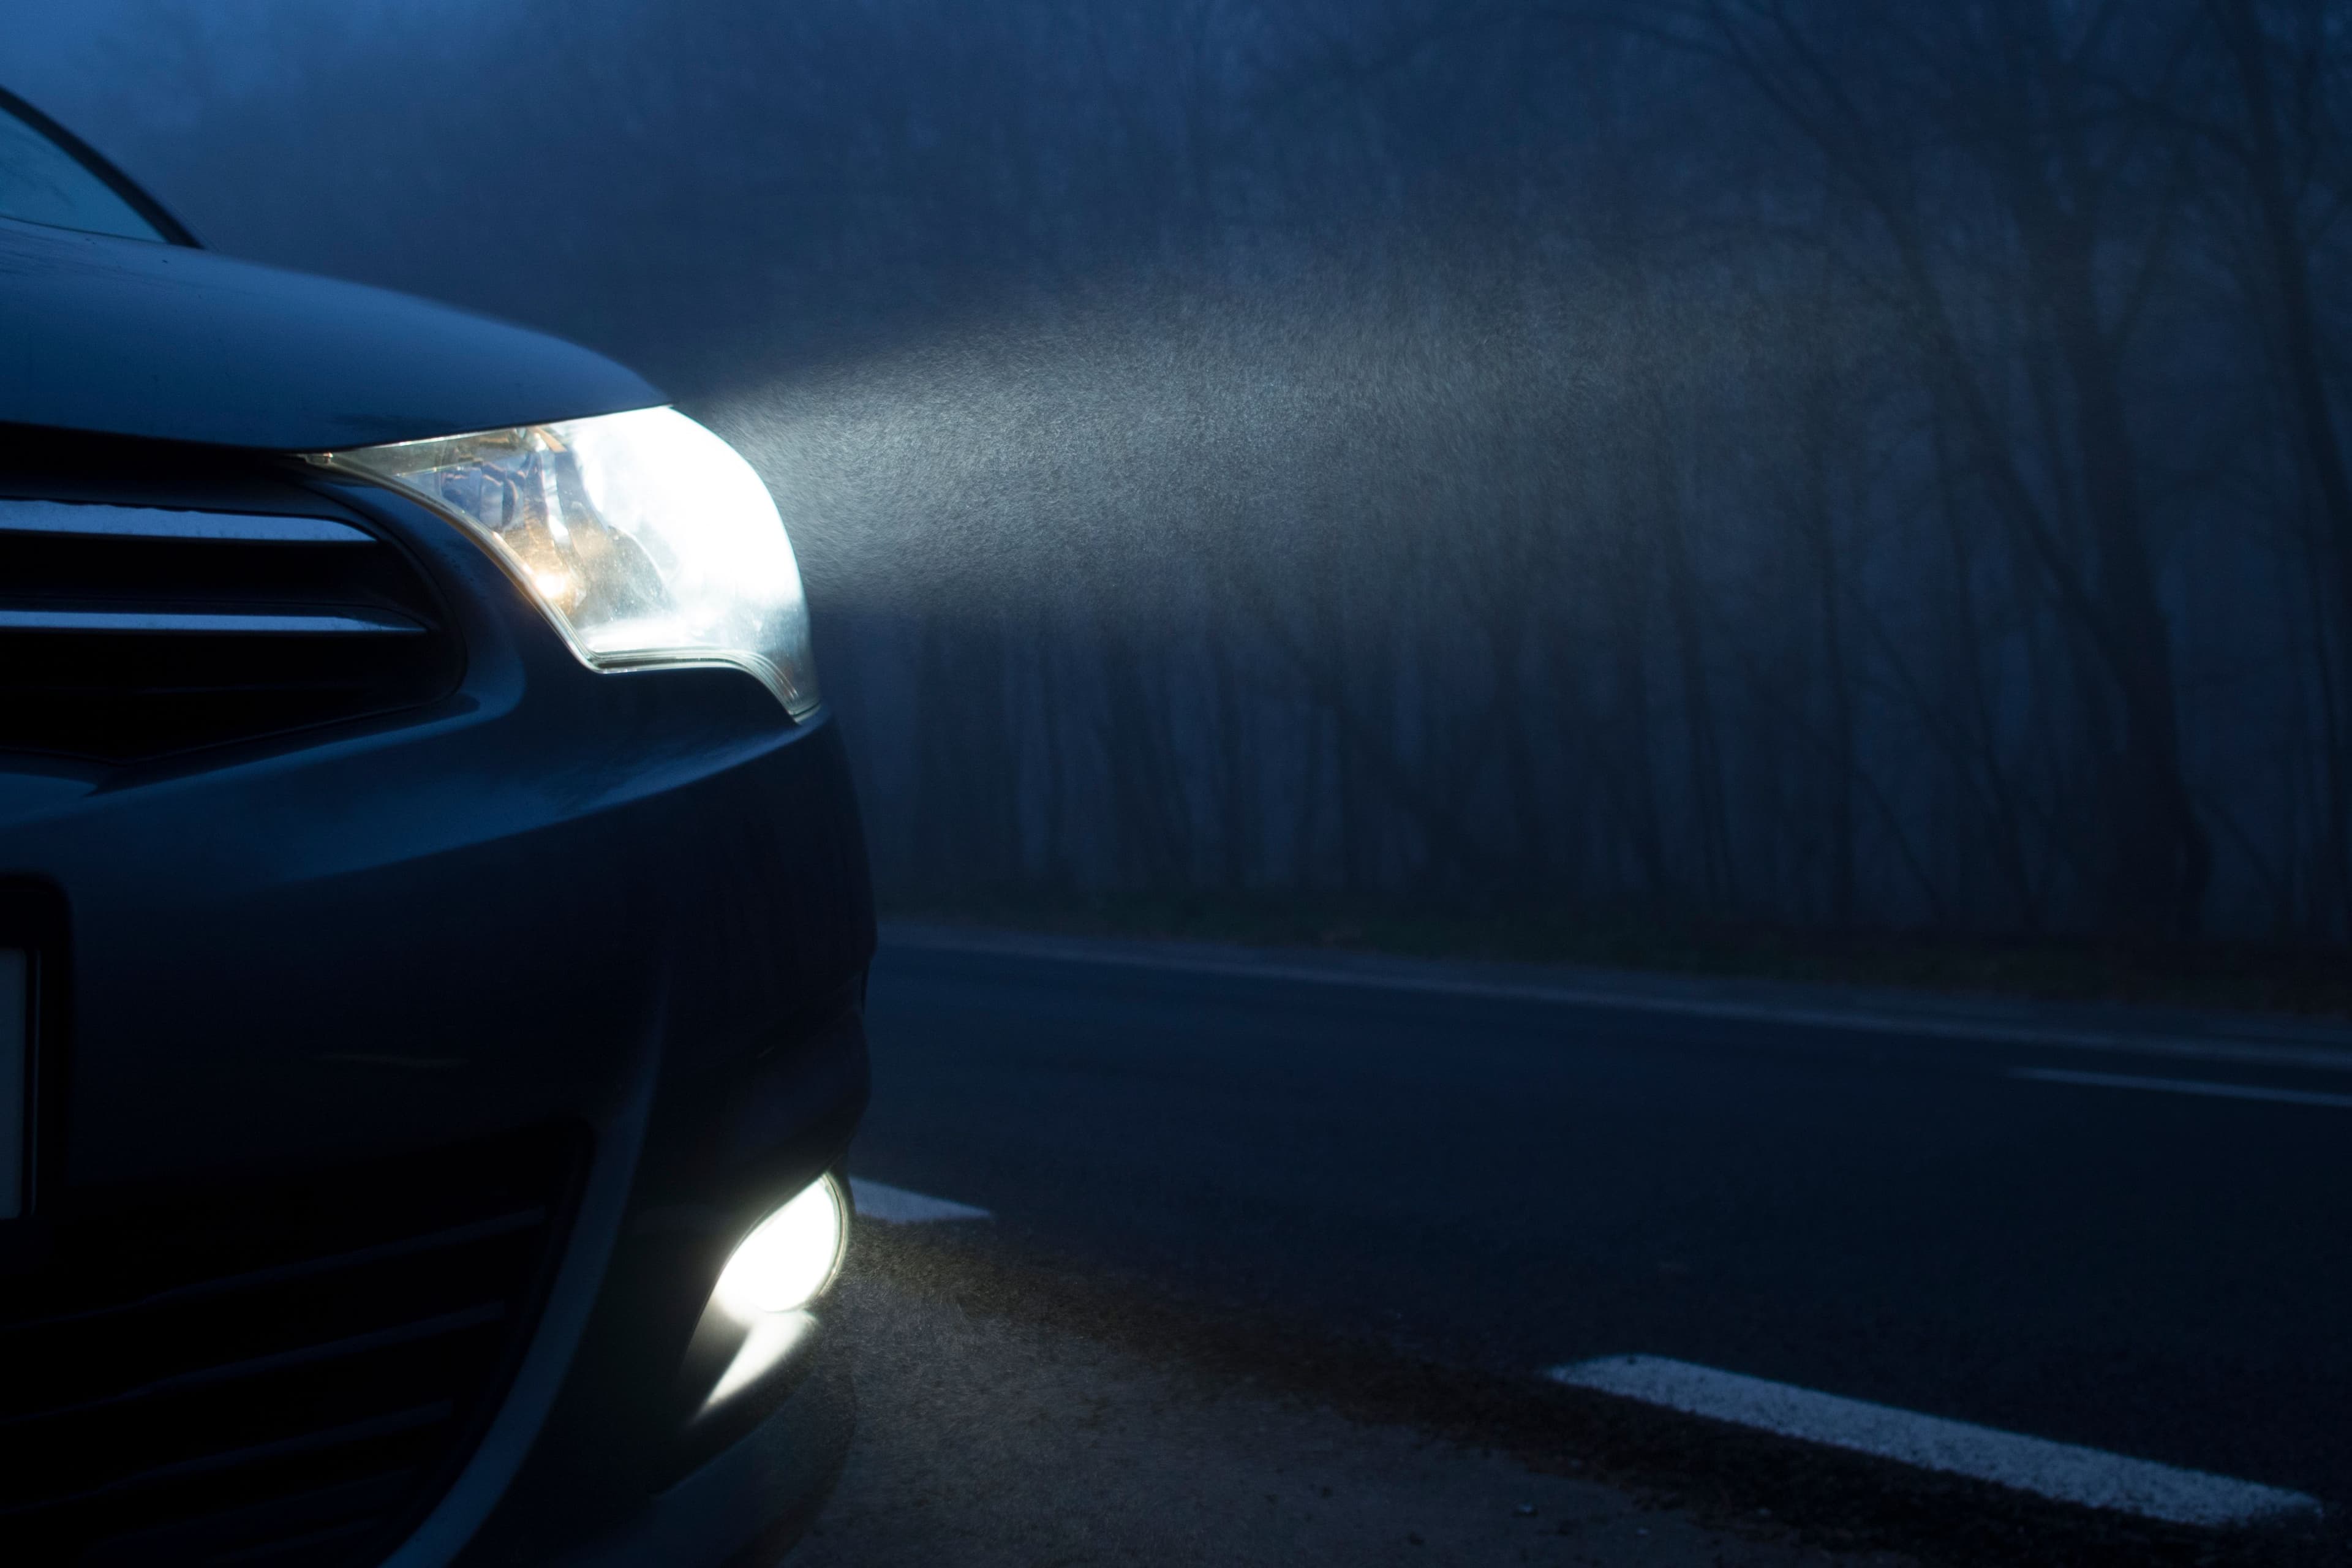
790	1259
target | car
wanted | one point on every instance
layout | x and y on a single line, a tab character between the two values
433	927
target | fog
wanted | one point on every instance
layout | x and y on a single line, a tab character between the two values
1840	466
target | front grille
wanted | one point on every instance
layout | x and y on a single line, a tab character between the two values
283	1372
152	601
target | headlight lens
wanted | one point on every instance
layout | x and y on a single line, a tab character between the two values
788	1259
645	538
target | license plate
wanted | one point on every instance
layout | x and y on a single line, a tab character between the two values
15	1076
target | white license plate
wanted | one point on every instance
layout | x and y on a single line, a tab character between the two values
16	1106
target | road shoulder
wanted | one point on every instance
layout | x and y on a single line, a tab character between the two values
2092	1029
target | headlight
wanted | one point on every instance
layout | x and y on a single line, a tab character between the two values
766	1288
789	1259
645	538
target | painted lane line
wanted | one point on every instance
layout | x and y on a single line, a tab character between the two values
2323	1058
2184	1086
897	1205
2089	1476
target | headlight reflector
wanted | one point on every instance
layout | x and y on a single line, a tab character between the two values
643	538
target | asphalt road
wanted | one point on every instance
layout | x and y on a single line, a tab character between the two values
1506	1183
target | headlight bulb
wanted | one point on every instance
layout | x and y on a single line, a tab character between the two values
788	1259
769	1283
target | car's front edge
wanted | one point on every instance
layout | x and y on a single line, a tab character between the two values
430	986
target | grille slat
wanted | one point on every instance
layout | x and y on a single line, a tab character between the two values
98	519
300	1547
167	622
483	1230
480	1317
282	1527
277	1370
396	1424
138	622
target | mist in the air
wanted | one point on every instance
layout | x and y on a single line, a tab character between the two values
1877	474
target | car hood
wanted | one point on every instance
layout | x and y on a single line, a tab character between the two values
131	338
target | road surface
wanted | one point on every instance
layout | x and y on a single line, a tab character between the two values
2125	1233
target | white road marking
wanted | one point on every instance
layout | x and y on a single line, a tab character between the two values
1358	975
2184	1086
897	1205
2085	1476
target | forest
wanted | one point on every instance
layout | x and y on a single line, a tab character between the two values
1832	466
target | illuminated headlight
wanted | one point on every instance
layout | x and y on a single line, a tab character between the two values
645	539
788	1259
760	1308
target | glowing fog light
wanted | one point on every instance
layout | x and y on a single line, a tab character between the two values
789	1259
643	537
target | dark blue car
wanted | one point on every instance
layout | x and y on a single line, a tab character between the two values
433	924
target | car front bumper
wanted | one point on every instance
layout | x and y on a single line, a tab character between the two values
631	905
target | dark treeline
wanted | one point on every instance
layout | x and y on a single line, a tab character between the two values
1805	462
